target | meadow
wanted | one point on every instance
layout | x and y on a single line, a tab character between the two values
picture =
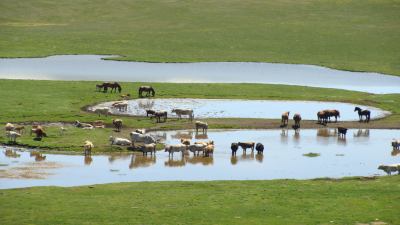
357	35
27	101
308	202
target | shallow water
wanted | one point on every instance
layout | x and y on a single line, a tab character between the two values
223	108
91	67
357	155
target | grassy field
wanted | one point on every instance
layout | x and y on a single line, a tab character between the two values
348	201
63	101
359	35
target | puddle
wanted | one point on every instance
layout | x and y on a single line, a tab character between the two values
283	158
91	67
225	108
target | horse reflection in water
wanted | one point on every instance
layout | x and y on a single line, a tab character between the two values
88	160
139	160
284	136
182	135
342	140
200	160
201	136
114	157
146	104
361	133
247	157
175	162
38	156
11	153
327	132
395	152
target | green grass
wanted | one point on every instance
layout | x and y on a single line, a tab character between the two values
29	100
360	35
55	101
347	201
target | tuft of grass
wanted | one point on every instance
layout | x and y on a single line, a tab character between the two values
312	154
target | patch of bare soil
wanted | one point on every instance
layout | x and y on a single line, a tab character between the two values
34	170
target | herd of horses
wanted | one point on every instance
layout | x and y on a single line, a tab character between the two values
115	86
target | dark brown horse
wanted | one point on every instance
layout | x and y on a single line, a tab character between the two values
362	113
297	119
148	89
106	85
160	114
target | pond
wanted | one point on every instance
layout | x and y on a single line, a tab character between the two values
226	108
286	156
92	67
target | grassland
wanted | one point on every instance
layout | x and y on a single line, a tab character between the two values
359	35
348	201
26	101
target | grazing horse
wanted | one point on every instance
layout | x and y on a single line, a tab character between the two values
362	113
297	119
160	114
234	148
114	87
342	131
99	87
148	89
117	124
285	119
332	113
180	112
322	117
259	148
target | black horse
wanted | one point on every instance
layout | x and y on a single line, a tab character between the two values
148	89
362	113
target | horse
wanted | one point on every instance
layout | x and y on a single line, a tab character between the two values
148	89
322	117
117	124
332	113
201	125
362	113
150	112
160	114
99	87
114	87
342	131
285	119
297	119
180	112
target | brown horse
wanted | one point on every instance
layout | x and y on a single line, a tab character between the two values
148	89
322	117
285	119
297	119
332	113
114	87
